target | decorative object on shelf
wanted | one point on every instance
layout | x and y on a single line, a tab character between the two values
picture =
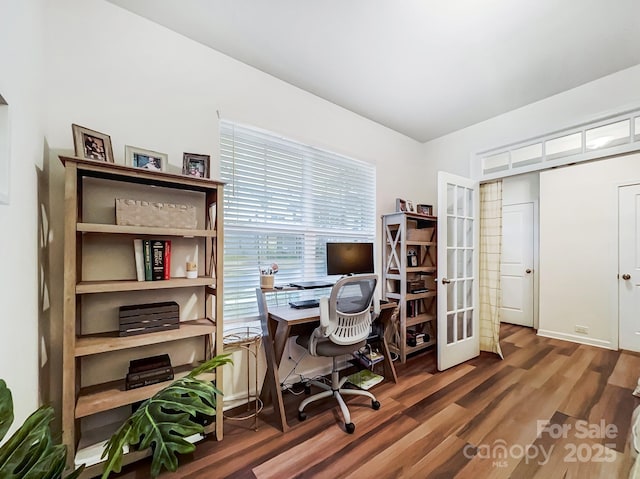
92	145
192	270
145	159
166	419
147	371
195	165
30	451
424	210
412	258
148	318
149	213
404	205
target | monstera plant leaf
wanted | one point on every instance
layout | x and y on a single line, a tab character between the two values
30	453
163	421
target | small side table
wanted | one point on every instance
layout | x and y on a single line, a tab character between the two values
249	340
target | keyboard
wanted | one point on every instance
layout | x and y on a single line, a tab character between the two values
304	304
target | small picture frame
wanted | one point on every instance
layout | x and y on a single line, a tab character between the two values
426	210
195	165
410	208
145	159
401	205
91	144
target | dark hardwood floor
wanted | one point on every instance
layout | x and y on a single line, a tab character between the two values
482	419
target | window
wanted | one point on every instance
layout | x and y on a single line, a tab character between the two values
283	202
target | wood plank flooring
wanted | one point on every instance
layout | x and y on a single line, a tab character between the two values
481	419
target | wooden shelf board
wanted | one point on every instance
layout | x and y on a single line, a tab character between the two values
428	294
411	242
421	318
422	269
111	395
114	171
420	347
144	230
85	287
106	342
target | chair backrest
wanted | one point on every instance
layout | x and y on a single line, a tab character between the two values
347	318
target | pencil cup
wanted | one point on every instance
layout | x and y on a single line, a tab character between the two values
266	281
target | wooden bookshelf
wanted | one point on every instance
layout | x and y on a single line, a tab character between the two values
82	234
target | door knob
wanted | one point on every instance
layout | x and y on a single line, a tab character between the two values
528	271
446	281
626	276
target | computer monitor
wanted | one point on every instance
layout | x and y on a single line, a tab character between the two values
349	258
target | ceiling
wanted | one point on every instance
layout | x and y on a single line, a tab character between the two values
424	68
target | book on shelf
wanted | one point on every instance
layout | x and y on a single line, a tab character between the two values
146	250
167	260
147	371
139	257
213	212
157	258
149	363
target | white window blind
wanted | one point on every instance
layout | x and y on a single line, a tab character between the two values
283	202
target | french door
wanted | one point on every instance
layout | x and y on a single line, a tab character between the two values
629	267
458	233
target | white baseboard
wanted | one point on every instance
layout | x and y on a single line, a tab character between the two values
574	338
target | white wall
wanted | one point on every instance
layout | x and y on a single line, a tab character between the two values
453	152
578	249
146	86
21	71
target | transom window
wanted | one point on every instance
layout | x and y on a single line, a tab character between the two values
283	202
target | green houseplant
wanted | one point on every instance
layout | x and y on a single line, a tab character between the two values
30	452
163	421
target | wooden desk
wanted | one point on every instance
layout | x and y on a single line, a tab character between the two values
282	322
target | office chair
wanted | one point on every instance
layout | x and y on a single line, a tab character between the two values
345	322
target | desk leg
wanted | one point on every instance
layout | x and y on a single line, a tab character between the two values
389	368
271	391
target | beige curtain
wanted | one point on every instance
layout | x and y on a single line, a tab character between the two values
490	250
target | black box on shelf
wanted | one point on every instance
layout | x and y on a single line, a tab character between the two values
148	318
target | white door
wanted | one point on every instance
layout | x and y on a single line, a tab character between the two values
516	266
629	266
458	331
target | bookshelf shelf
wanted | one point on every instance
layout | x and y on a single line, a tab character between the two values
87	287
110	395
144	230
96	247
110	341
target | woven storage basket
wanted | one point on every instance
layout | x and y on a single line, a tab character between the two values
149	213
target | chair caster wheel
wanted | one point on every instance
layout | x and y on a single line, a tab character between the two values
350	427
375	405
302	416
307	389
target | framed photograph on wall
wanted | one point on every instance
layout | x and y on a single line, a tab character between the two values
92	145
145	159
195	165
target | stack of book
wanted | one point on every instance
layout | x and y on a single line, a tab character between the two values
147	371
148	318
415	338
153	259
